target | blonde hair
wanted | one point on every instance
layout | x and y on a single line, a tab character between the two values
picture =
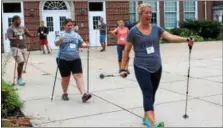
141	7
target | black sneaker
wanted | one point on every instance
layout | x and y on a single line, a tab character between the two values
44	53
102	50
49	53
86	97
65	96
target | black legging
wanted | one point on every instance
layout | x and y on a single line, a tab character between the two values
148	83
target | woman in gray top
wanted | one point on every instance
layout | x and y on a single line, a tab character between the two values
145	38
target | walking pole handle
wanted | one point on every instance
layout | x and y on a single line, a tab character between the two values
190	46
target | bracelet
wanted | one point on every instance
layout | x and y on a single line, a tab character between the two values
123	70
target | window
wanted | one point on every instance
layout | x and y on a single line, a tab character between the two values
95	21
170	18
62	19
49	23
9	21
189	10
55	5
154	9
95	6
11	7
132	11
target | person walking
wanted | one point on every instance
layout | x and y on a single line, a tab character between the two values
17	36
145	38
69	60
43	32
121	31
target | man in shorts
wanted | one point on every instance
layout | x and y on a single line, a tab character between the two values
102	28
42	32
16	35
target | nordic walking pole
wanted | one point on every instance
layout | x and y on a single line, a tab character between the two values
54	84
28	55
87	67
17	50
185	116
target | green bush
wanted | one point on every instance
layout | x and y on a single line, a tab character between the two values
197	38
176	31
206	29
10	99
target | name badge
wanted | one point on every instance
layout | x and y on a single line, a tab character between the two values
21	37
150	50
122	38
73	46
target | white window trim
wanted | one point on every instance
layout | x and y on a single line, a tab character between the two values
196	11
158	13
22	9
177	12
137	15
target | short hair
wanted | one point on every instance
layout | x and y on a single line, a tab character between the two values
16	17
67	21
141	7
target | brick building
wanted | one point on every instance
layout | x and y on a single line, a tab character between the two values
167	14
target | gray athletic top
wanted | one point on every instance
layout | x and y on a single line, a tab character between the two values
145	57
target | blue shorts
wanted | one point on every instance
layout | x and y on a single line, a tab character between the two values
102	38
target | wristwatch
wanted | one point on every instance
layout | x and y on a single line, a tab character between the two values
188	39
123	70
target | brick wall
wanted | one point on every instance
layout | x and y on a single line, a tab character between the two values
115	11
209	10
32	23
161	6
201	10
82	18
181	9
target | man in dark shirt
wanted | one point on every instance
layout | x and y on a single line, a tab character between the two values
17	36
42	32
102	28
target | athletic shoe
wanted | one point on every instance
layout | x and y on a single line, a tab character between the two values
159	125
65	97
156	125
146	122
86	97
20	82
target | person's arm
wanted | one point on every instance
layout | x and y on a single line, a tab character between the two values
128	47
175	38
103	27
10	35
172	38
114	31
81	43
28	33
85	45
125	57
59	40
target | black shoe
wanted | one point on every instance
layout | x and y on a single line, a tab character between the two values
86	97
102	50
44	53
48	52
65	96
127	71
